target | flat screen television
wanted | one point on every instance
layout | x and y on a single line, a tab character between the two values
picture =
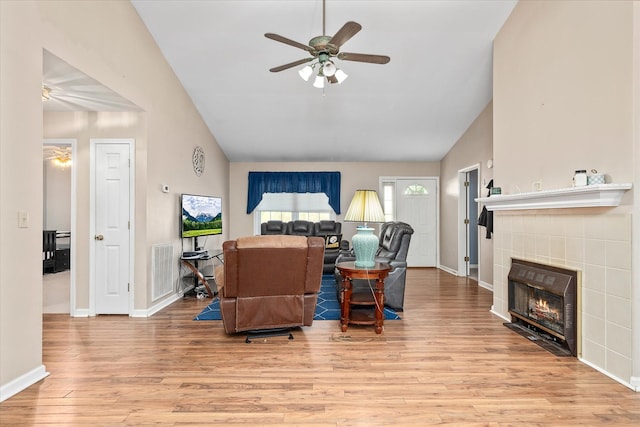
201	215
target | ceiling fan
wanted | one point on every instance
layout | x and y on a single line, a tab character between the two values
60	155
323	50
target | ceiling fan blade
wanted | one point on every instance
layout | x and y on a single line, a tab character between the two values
363	57
347	31
285	40
289	65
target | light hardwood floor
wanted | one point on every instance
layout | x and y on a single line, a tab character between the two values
448	361
55	292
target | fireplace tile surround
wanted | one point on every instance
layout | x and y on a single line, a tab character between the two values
598	243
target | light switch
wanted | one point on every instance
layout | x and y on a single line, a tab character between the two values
23	219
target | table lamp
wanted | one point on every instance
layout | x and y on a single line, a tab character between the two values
365	207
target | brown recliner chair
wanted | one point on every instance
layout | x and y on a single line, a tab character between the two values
269	282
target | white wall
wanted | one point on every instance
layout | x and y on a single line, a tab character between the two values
564	88
125	58
475	146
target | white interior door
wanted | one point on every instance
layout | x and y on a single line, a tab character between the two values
111	227
416	204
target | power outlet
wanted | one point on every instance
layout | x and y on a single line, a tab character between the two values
536	186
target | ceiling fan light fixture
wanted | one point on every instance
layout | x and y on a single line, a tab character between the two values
305	72
46	93
340	75
329	69
319	82
62	161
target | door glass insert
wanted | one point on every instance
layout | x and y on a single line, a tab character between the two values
415	190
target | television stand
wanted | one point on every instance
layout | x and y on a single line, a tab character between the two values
192	263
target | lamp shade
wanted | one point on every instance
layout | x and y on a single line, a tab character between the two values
365	207
305	72
319	82
328	69
340	76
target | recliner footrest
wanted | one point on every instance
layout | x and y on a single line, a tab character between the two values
265	333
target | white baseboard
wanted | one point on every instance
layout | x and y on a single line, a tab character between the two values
138	313
448	270
635	383
16	386
494	312
486	285
157	307
613	377
82	312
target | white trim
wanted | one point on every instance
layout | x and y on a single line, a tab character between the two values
448	270
462	229
573	197
157	307
487	286
22	382
92	226
81	312
613	377
494	312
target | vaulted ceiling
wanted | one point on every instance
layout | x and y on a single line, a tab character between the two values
412	109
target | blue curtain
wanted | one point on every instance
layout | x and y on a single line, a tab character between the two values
293	182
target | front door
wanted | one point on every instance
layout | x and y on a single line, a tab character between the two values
417	205
111	226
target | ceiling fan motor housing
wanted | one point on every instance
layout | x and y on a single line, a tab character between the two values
321	44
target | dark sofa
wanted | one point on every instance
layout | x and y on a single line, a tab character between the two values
330	231
392	248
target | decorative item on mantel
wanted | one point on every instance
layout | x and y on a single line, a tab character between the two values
595	178
580	178
365	207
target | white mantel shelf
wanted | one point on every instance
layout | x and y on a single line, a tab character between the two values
573	197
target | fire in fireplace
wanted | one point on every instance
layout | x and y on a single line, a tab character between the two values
544	298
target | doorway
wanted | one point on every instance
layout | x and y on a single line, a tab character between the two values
59	216
468	244
414	200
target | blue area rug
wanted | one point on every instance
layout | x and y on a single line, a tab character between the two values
327	308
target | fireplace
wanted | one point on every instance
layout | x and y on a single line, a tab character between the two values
543	298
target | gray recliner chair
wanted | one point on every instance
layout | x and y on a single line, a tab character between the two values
392	248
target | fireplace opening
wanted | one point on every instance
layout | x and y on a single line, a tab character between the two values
543	300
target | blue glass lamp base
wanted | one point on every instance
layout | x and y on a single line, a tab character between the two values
365	246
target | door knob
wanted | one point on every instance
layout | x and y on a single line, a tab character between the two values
99	237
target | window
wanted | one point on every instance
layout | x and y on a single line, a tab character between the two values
287	207
388	195
415	190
